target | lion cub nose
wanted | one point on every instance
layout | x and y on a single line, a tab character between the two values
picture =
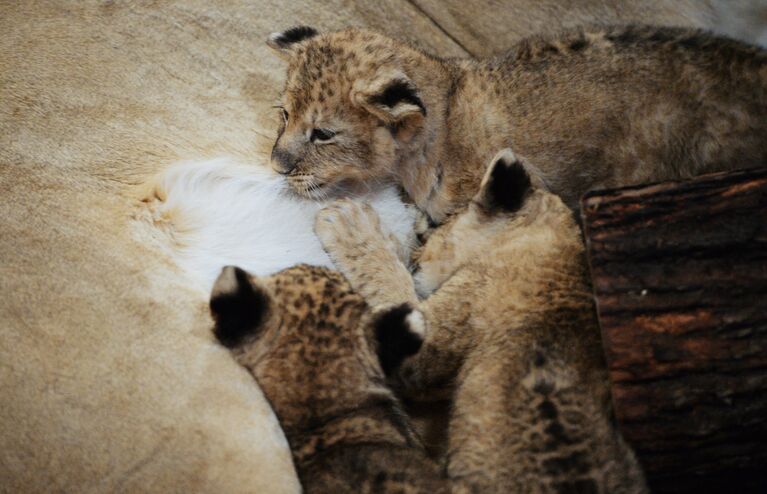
283	162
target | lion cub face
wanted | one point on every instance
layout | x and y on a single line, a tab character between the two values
345	107
512	210
300	334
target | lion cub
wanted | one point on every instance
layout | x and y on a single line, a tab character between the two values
307	338
592	107
509	325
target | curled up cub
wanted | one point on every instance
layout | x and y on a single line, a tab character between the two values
508	325
308	340
591	107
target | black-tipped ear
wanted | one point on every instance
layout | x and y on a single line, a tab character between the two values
399	332
506	183
398	97
391	96
238	306
285	41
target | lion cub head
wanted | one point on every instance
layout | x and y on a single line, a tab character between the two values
305	336
349	108
513	215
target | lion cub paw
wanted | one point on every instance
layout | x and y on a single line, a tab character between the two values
350	230
367	256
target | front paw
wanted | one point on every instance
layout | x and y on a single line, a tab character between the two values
342	218
345	227
352	236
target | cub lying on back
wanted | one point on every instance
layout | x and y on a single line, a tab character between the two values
308	339
600	107
509	324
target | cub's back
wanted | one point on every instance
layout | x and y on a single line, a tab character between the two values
609	107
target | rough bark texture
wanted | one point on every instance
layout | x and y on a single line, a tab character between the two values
680	277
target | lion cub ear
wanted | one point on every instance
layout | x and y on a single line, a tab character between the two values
399	333
507	183
286	41
391	96
239	305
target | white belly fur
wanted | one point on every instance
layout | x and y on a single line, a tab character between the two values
220	212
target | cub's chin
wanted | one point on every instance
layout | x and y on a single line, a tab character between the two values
315	191
321	191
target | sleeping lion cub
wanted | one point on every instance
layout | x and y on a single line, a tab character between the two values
600	107
508	325
308	340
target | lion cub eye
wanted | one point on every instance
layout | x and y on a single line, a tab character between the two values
285	115
321	135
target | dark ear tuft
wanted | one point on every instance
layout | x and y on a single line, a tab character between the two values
293	35
238	306
398	92
399	332
506	183
391	96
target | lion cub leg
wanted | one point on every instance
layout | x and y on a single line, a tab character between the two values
523	420
352	236
371	259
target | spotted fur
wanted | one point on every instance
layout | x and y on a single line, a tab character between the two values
508	327
307	339
601	107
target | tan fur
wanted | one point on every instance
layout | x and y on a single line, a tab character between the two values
600	107
110	379
510	328
488	27
313	355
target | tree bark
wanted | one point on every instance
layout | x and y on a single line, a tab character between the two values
679	272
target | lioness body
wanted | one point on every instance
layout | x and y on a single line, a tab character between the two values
509	327
591	108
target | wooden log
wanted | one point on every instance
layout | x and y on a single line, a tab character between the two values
679	272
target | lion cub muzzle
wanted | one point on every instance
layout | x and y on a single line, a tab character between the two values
283	161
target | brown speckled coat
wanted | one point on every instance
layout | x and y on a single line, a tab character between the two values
304	336
600	107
